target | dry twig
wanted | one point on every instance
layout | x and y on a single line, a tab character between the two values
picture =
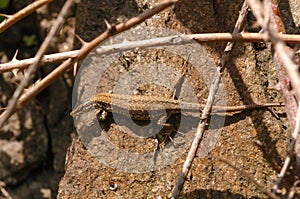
207	109
290	153
32	68
84	51
162	41
12	19
287	70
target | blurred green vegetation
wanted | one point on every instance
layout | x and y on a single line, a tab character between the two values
4	4
30	40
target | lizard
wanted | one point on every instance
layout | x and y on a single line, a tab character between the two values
139	106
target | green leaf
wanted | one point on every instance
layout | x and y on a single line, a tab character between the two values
4	4
30	40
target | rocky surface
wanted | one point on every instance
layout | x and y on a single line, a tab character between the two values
254	141
34	142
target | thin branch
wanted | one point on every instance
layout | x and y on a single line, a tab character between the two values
240	23
46	59
113	30
162	41
279	46
287	70
257	184
28	75
12	19
84	51
290	153
186	39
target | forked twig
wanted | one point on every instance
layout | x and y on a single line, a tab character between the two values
240	23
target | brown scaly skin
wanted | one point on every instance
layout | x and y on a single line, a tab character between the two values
139	106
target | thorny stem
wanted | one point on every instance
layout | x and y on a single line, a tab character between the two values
162	41
28	75
84	51
12	19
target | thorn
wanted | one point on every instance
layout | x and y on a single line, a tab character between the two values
107	24
16	70
75	68
110	27
14	59
37	81
83	43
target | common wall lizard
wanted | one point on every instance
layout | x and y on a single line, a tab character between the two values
139	106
